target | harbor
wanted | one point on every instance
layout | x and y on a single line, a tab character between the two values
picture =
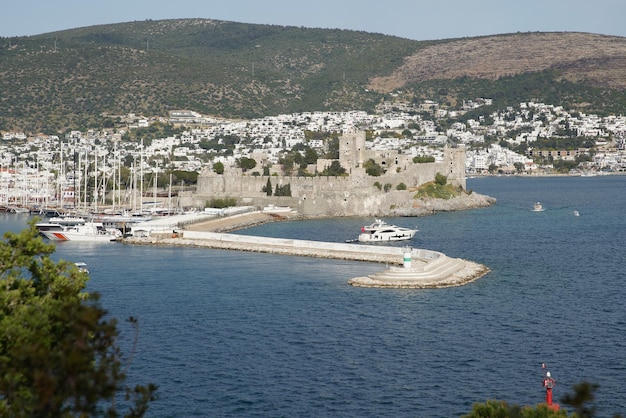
406	267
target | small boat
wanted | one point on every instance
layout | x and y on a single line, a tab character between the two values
276	209
82	267
18	209
380	231
89	231
538	207
47	212
576	213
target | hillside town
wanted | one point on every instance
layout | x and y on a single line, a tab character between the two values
44	168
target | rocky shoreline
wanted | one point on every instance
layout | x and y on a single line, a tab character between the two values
429	206
419	207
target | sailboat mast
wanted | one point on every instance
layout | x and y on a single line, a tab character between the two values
114	180
74	180
156	173
169	197
86	180
134	185
119	179
95	180
104	180
60	180
141	177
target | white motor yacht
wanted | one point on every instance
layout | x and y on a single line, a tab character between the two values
380	231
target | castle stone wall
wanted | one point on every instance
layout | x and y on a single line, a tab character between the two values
354	194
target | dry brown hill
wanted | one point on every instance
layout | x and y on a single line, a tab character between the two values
597	59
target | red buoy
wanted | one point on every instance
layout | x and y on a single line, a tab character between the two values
548	383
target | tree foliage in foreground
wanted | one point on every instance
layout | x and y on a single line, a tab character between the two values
580	399
58	351
500	409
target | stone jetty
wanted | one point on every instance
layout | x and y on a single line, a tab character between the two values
406	267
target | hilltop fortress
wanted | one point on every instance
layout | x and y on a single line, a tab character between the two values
356	194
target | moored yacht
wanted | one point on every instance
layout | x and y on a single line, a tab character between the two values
380	231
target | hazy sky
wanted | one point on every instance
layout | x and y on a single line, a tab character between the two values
413	19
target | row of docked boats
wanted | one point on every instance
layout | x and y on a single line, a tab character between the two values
14	209
94	229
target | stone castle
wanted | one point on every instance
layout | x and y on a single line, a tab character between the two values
356	194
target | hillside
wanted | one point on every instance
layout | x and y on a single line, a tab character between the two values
72	79
596	59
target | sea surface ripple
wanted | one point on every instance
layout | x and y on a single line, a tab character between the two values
233	334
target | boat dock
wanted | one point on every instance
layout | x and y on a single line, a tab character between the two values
405	267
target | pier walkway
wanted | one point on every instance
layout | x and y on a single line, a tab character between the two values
426	268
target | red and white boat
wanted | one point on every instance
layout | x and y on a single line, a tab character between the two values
88	231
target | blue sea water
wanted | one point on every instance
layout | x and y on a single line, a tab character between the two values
230	334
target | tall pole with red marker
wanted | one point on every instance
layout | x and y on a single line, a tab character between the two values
548	383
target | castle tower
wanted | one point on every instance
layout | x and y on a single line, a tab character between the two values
455	165
352	149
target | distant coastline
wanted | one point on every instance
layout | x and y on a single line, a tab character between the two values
535	175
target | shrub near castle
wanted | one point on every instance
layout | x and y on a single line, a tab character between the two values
438	189
221	203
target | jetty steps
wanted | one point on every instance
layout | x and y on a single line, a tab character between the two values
405	267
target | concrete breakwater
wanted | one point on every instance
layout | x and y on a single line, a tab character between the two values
426	269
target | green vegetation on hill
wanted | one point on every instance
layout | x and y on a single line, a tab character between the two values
543	86
70	78
87	77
